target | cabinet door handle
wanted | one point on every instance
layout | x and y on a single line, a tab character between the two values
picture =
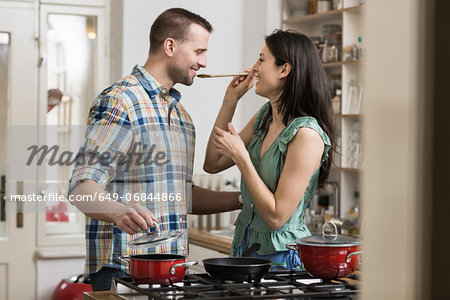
19	215
3	198
42	61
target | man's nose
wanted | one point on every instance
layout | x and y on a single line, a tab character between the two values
202	63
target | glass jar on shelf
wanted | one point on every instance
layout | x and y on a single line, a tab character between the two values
312	6
297	8
336	102
336	4
323	6
317	40
328	29
332	38
353	214
332	48
335	82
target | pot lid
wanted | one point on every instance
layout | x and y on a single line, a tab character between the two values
329	240
155	238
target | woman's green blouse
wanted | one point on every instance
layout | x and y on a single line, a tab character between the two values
269	168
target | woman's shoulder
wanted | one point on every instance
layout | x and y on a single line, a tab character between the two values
302	122
311	128
305	121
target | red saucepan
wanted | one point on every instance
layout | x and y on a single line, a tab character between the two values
157	268
328	255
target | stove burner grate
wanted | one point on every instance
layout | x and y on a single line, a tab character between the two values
275	285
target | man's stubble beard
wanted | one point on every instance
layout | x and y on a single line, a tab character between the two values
180	75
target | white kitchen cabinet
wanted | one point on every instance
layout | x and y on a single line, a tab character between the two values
74	61
32	60
18	85
349	161
76	2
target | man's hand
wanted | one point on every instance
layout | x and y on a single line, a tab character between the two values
129	218
134	218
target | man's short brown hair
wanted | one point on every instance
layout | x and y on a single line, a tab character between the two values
174	23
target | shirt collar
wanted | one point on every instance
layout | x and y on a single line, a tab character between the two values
152	86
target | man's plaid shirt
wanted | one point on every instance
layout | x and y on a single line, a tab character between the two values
137	115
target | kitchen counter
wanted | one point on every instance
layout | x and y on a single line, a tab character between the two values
204	238
106	295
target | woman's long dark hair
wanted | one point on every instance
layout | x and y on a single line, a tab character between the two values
305	91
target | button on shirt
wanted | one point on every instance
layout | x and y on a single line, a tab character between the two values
149	138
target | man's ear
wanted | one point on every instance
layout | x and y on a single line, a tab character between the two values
285	70
169	46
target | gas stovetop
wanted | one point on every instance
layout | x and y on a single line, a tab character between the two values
275	285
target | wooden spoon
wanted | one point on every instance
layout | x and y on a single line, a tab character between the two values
221	75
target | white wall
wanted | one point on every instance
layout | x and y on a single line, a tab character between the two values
239	29
395	179
261	18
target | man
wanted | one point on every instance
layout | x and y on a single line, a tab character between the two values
140	141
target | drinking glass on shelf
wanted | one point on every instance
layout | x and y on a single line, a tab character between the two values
337	4
354	146
355	96
337	158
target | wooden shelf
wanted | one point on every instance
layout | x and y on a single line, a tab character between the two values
332	64
332	14
352	62
350	115
356	170
335	168
346	169
320	17
354	8
341	63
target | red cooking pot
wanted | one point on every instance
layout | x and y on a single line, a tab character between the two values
157	268
71	288
328	255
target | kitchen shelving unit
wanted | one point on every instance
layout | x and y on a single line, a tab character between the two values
350	18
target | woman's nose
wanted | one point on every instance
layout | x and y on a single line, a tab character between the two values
255	66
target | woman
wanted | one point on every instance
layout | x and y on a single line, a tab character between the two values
283	153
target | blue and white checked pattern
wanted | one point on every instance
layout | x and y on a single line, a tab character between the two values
137	115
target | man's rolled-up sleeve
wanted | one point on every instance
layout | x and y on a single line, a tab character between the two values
108	137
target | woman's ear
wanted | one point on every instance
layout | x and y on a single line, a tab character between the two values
285	70
169	46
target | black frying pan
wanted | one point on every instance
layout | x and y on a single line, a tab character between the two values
238	268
